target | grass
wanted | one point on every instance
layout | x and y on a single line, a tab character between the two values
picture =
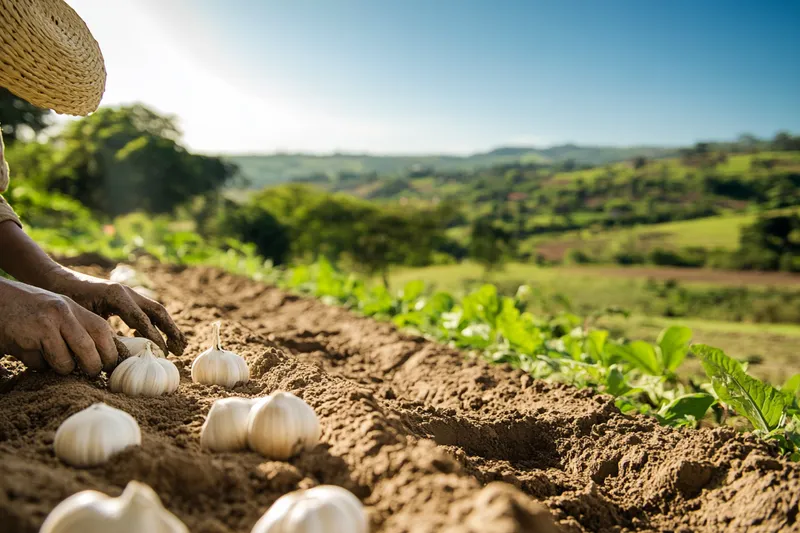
578	278
712	232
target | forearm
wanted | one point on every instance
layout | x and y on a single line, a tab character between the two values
21	257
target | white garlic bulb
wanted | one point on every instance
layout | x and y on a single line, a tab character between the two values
136	345
128	276
281	425
136	510
323	509
145	375
216	366
91	436
225	428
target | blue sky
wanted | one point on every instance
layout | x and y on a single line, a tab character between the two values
453	76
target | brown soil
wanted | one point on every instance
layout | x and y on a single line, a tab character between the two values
430	439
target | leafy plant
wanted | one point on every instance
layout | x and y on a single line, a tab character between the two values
761	403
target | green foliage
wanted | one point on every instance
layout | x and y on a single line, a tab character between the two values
686	408
258	226
771	243
120	160
490	244
339	227
762	404
16	115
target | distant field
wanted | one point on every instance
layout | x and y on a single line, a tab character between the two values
453	277
736	164
712	232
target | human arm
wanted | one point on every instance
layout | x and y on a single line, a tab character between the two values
21	257
42	329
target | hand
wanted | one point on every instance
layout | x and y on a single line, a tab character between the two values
44	329
107	298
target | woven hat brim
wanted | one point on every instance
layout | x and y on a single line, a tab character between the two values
49	57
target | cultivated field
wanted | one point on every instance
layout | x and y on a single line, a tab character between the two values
429	439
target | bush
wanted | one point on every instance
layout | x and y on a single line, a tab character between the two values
576	256
688	257
253	224
629	257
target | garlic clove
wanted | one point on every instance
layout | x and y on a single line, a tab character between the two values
225	428
145	375
136	510
91	436
281	426
216	366
136	345
322	509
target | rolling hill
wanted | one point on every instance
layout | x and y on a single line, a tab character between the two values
263	170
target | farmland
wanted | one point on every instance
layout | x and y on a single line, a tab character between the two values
420	433
438	353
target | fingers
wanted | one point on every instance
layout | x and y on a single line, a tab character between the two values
103	338
159	316
134	317
82	345
56	353
122	350
32	359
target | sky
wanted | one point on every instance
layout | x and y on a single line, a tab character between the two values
452	76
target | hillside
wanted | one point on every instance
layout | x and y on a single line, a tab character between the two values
264	170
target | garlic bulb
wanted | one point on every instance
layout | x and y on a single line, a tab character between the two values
91	436
136	510
323	509
128	276
281	425
225	428
216	366
136	345
145	375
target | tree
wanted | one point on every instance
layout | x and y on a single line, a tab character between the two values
252	223
784	142
125	159
16	114
770	243
489	243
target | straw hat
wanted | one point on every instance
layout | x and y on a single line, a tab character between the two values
48	56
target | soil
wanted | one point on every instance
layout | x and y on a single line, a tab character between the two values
429	438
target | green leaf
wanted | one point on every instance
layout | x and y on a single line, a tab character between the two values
673	343
642	355
439	303
413	290
615	382
595	344
482	305
761	403
519	333
414	318
792	385
694	405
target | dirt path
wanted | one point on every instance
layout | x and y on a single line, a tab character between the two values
417	430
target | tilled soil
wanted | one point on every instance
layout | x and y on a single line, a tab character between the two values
430	439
